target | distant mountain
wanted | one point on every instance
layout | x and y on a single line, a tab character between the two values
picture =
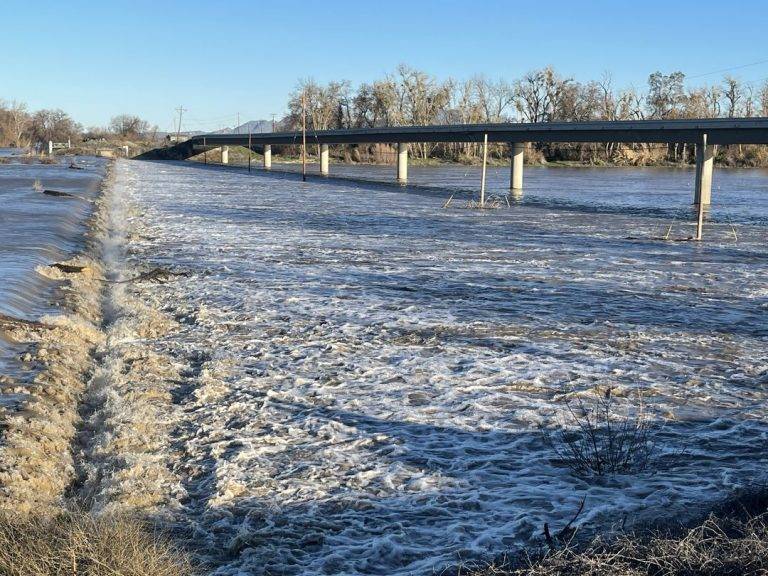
255	127
252	127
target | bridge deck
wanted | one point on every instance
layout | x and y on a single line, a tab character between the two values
719	131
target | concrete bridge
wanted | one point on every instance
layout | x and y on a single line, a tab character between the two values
705	134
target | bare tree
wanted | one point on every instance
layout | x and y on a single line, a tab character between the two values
55	125
764	99
733	94
494	97
18	123
128	126
665	94
412	97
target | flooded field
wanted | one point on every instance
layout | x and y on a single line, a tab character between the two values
360	377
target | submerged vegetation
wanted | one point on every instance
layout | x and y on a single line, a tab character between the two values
598	436
732	541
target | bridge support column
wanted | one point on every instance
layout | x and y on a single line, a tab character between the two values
324	156
402	163
267	156
705	160
517	154
225	154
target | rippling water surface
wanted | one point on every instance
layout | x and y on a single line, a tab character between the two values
37	229
367	371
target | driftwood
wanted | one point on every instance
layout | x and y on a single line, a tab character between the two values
59	194
68	268
158	275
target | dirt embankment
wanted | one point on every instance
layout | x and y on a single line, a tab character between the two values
36	461
82	464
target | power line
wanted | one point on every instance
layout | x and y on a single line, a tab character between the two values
181	111
729	69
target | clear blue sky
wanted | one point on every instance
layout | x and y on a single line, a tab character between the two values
98	59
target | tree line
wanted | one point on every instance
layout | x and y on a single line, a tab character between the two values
410	96
21	128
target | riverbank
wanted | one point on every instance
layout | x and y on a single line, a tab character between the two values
731	539
73	489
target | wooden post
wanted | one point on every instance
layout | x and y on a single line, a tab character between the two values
482	178
304	137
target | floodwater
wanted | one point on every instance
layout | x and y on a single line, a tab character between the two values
365	373
739	195
38	229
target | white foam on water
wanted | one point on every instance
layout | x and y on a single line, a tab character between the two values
364	374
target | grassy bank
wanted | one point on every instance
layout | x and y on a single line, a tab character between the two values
730	541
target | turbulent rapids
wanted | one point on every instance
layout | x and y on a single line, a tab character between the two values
344	377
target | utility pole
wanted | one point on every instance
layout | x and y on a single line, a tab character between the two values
238	123
304	136
273	122
181	111
250	150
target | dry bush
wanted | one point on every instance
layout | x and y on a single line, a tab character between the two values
599	437
81	544
716	547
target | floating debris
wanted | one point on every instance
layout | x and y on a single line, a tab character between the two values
68	268
59	193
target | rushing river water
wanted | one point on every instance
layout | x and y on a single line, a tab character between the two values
38	229
366	372
358	376
739	195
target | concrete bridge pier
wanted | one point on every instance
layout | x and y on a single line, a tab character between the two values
705	160
225	154
324	157
267	156
517	154
402	163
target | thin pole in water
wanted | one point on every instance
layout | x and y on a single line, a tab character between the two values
250	151
699	220
304	136
482	178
